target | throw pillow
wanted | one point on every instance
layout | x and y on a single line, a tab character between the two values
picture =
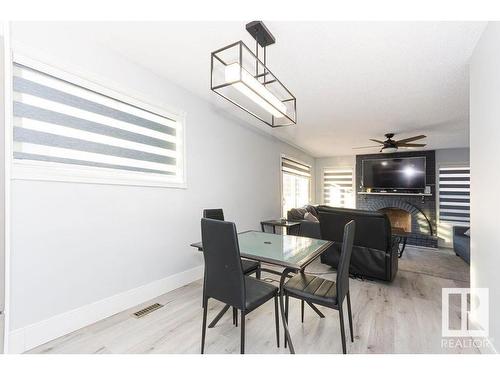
310	217
311	209
296	214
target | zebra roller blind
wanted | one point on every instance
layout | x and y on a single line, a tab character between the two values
338	187
454	195
295	184
296	168
64	125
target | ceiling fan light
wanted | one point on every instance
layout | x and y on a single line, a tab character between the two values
389	149
389	145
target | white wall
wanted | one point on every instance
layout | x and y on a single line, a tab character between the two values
450	156
485	174
2	194
75	244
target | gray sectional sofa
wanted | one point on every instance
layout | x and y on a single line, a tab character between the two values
461	243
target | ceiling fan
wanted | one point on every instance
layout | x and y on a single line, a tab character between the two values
391	145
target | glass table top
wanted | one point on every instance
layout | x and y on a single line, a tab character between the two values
283	250
281	223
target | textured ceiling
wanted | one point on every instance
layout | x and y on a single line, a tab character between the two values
353	80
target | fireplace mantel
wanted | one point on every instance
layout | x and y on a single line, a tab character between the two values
389	193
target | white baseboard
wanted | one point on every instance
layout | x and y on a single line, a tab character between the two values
29	337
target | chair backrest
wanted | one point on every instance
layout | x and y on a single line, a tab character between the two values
373	229
216	214
224	279
345	261
213	213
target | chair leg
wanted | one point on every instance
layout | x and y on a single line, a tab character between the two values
258	272
349	313
286	315
302	310
235	312
342	331
277	319
316	310
204	327
242	347
219	316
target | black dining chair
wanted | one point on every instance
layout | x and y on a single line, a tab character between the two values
224	277
324	292
249	266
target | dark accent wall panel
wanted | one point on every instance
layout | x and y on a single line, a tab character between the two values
426	205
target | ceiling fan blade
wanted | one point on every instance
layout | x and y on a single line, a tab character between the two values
411	145
376	140
354	148
406	140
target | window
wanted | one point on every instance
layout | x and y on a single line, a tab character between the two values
338	187
71	130
454	195
296	184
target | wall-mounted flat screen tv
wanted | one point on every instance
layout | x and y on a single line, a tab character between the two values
394	173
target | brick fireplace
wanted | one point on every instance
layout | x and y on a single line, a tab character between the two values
412	213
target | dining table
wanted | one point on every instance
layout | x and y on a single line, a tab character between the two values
291	253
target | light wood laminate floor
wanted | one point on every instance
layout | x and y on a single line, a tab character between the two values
399	317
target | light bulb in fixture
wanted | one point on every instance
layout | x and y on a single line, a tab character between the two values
389	150
254	90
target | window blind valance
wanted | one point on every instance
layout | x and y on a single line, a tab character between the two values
294	167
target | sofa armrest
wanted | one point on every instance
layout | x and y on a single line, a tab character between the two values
459	231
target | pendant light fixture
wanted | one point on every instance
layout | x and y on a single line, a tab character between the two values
238	75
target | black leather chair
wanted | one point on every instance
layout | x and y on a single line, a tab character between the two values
213	213
249	266
375	253
324	292
224	278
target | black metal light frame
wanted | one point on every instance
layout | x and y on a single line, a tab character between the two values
263	38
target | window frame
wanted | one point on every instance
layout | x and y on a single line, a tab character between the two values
438	193
339	168
42	171
281	178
